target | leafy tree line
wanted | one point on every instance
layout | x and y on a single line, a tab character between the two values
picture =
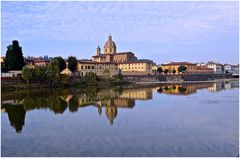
181	68
15	60
49	74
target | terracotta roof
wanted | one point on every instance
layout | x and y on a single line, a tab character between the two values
123	53
211	62
100	55
40	61
120	53
137	61
178	63
203	68
67	72
94	62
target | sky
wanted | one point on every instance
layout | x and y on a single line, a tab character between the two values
159	30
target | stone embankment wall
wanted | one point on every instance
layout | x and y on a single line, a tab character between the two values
141	78
175	78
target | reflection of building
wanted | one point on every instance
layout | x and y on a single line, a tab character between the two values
216	87
203	85
113	101
111	113
125	62
178	89
140	94
183	89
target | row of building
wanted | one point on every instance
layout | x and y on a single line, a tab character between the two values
201	68
127	63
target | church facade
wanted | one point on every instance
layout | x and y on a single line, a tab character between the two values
125	62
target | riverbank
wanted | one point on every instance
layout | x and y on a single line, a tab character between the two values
17	87
23	86
182	82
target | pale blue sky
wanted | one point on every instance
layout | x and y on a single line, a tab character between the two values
161	31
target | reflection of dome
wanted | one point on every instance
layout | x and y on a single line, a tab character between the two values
110	46
111	113
99	110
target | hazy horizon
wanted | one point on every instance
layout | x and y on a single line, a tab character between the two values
161	31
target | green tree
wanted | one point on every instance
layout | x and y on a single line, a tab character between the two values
40	73
166	71
27	74
159	70
4	67
118	77
61	63
174	71
91	77
72	63
14	57
53	72
106	74
182	68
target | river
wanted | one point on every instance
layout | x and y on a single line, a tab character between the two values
197	119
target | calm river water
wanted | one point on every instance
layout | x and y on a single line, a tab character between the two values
199	119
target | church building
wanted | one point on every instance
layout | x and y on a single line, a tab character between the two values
125	62
110	53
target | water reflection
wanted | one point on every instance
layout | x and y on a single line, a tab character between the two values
17	104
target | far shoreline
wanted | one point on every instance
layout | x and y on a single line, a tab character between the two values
179	82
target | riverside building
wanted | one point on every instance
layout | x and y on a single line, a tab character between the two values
191	68
125	63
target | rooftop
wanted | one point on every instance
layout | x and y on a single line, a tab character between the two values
94	62
178	63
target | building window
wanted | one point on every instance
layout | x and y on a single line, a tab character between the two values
81	67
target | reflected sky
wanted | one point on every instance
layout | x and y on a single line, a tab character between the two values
164	120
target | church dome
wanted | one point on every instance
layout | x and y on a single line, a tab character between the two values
110	42
110	46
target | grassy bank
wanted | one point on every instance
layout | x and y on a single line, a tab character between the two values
78	84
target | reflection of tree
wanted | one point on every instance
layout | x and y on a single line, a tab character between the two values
166	88
99	110
59	101
160	90
16	116
54	103
58	105
73	104
182	89
30	103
